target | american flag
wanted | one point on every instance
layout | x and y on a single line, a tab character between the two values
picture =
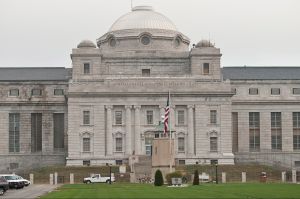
167	113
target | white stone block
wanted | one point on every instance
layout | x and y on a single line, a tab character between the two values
71	178
223	177
51	178
31	178
244	177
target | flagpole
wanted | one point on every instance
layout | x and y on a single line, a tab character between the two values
170	132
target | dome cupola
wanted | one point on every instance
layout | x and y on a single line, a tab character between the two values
143	29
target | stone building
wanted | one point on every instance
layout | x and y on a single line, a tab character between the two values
107	108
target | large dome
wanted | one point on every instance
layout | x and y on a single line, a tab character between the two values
143	17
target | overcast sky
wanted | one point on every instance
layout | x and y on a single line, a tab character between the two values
41	33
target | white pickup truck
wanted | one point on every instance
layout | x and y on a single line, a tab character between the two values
96	178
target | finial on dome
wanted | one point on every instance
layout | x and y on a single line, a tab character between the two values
86	44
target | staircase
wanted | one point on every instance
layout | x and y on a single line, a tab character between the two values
142	169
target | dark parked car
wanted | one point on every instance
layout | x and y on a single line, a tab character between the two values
3	185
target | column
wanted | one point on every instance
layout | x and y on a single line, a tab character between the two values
265	131
128	130
244	177
137	129
51	178
287	131
108	130
283	176
190	130
294	176
31	178
71	178
223	177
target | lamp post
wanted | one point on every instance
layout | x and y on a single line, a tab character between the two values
216	173
109	165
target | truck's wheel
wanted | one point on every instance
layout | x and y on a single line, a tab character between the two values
1	192
108	181
88	182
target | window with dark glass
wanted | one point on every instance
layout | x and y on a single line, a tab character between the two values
118	117
180	117
58	91
206	68
36	132
181	144
14	92
296	91
149	117
86	144
276	132
58	130
254	131
86	117
86	68
36	92
275	91
253	91
119	144
213	116
213	144
296	130
14	132
146	72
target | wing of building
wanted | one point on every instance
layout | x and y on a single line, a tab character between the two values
108	107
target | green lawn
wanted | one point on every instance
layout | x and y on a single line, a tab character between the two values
144	191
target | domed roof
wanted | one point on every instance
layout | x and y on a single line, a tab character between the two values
204	43
143	17
86	44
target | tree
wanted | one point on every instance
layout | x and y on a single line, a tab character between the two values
196	178
158	179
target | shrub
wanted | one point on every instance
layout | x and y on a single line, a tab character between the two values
175	174
158	179
196	178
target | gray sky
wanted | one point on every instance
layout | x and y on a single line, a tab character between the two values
41	33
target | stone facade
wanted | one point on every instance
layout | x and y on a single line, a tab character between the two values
114	100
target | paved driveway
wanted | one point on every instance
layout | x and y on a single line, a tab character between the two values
32	191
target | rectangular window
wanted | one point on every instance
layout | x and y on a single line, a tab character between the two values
14	132
86	162
181	162
86	144
119	162
180	117
86	68
58	130
36	132
254	131
146	72
275	91
296	91
253	91
205	68
181	144
213	116
213	144
86	117
149	117
276	132
296	130
118	117
119	144
36	92
58	91
235	132
14	92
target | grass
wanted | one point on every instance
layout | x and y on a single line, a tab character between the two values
147	191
